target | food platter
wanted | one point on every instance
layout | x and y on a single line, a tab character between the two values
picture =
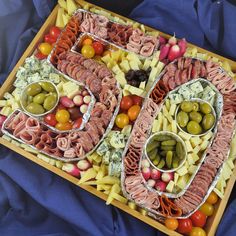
122	98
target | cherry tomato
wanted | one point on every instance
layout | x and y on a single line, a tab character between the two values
64	126
133	112
122	120
185	226
197	231
106	52
126	103
62	116
137	100
198	219
50	119
49	39
98	48
88	51
40	56
213	198
45	48
171	223
87	41
207	209
77	123
54	32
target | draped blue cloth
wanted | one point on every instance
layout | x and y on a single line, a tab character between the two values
34	201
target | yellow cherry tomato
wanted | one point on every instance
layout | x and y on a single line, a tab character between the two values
64	126
45	48
62	116
87	41
207	209
88	51
133	112
213	198
197	231
122	120
171	224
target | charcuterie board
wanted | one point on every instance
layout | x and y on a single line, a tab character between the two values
138	118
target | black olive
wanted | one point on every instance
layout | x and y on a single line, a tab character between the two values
134	83
130	75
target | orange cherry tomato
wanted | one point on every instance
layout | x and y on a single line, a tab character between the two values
64	126
197	231
213	198
137	100
171	223
88	51
122	120
198	219
87	41
185	226
207	209
45	48
62	116
133	112
126	103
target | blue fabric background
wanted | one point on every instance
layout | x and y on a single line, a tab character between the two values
34	201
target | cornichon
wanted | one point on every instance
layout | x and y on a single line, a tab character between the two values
167	148
152	154
175	162
162	138
168	143
169	157
152	145
179	150
161	163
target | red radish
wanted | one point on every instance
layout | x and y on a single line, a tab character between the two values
162	40
151	183
83	165
146	173
167	177
66	102
87	99
84	92
164	52
160	186
174	53
84	108
145	163
71	169
2	119
78	100
182	45
172	41
155	174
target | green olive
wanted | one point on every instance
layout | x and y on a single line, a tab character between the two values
47	86
195	116
186	106
182	119
54	95
33	89
49	102
208	121
205	108
39	98
194	128
35	108
195	106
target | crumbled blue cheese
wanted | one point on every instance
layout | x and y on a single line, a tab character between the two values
55	78
176	98
196	87
114	169
117	140
116	156
103	148
106	158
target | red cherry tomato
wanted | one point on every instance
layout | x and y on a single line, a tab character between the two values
137	100
185	226
54	32
64	126
77	123
49	39
98	48
50	119
40	55
126	103
198	219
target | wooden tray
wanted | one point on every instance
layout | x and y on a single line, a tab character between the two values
212	222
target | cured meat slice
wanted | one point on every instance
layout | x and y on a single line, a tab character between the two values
32	124
63	143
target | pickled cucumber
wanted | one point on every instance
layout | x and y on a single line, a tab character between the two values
152	155
169	157
179	150
152	146
168	148
162	138
168	143
161	164
175	162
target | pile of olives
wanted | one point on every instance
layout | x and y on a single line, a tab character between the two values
40	97
135	77
195	117
165	151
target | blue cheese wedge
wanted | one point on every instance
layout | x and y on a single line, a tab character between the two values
103	148
116	156
176	98
114	169
196	87
106	158
117	141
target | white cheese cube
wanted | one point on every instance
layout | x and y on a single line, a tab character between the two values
188	146
197	149
207	136
170	186
184	136
182	171
195	141
125	66
204	145
192	169
174	126
172	109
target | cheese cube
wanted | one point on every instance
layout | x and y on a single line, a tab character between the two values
167	104
195	141
3	103
136	91
176	177
165	124
142	85
133	57
6	111
125	92
154	62
166	114
159	67
146	64
182	181
207	136
174	126
184	136
230	164
195	157
155	126
153	74
116	69
170	186
125	66
226	171
192	169
134	65
204	145
220	194
197	149
188	146
182	171
120	77
190	159
172	109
